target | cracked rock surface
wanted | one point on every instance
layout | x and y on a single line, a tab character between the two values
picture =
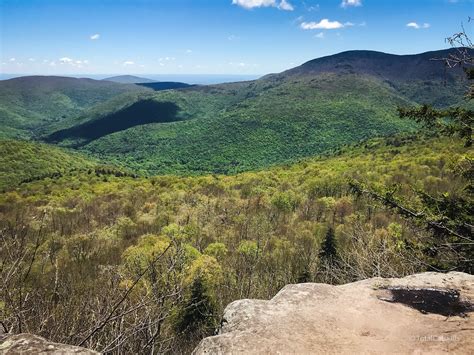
432	315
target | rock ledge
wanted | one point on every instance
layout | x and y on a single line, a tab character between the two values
33	344
422	313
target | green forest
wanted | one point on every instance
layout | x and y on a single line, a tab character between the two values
129	224
184	247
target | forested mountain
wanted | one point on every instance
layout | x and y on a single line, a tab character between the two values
108	256
228	128
28	104
183	248
22	161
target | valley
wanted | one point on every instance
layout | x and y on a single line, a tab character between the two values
132	212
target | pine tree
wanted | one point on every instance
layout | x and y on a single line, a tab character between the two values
328	249
198	315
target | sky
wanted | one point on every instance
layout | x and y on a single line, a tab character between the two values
53	37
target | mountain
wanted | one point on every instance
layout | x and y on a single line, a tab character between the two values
426	72
424	66
22	161
29	104
129	79
227	128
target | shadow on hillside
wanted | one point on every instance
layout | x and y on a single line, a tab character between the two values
165	85
139	113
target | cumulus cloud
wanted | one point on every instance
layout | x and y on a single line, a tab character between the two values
286	6
324	24
65	60
348	3
128	62
417	26
320	35
95	36
250	4
12	59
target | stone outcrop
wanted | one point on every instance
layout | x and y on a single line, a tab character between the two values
423	313
11	344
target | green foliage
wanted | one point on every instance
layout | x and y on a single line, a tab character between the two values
199	313
30	104
26	161
328	251
223	238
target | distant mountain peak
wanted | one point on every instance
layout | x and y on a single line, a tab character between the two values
388	66
129	79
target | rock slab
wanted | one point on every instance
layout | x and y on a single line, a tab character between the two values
12	344
361	317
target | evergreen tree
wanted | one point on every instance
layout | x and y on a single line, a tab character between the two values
328	249
199	313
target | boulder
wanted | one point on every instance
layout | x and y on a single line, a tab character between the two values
418	314
32	344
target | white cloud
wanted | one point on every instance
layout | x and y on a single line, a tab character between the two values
31	59
128	62
286	6
189	51
65	60
312	7
320	35
417	26
12	59
53	64
324	24
348	3
167	59
95	36
233	38
250	4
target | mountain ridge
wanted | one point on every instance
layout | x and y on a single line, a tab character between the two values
358	60
129	79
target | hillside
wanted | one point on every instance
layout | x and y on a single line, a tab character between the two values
165	85
420	77
25	161
29	104
309	110
129	79
221	238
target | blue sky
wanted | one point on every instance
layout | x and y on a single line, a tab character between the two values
213	36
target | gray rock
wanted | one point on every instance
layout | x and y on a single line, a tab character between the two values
367	317
31	344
